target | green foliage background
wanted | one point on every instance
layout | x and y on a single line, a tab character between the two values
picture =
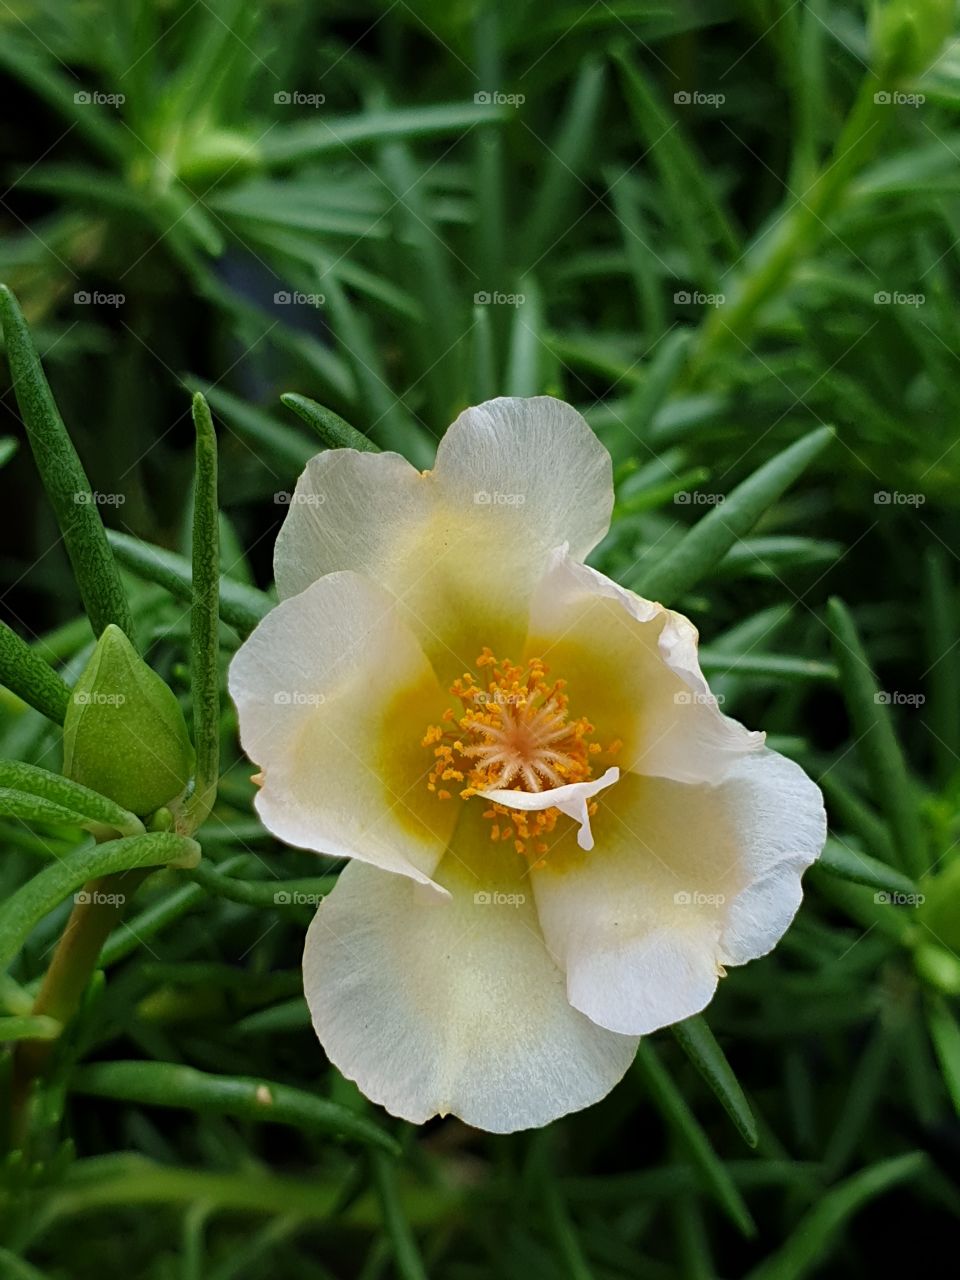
714	229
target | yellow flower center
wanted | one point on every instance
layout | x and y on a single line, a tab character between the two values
511	732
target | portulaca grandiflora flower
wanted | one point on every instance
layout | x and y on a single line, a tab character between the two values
556	841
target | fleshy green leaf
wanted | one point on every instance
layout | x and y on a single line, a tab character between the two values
405	1252
945	1034
64	479
700	1046
807	1246
89	808
48	888
672	1105
849	864
164	1084
205	622
26	674
329	426
241	607
876	741
29	1028
711	538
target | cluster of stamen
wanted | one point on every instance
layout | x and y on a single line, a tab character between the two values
511	731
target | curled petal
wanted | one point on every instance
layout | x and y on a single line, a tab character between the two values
570	799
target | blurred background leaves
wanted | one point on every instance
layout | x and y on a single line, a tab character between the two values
712	228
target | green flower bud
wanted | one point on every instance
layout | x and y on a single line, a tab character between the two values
124	734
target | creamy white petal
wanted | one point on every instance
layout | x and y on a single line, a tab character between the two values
631	667
783	828
683	879
570	799
452	1007
460	546
534	472
334	694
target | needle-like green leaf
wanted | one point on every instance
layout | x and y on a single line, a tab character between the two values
711	538
676	1112
89	808
700	1046
329	426
26	674
64	479
204	622
892	787
241	606
165	1084
48	888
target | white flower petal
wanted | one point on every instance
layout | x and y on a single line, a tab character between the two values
570	799
534	474
334	695
460	546
683	879
452	1007
631	667
783	828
